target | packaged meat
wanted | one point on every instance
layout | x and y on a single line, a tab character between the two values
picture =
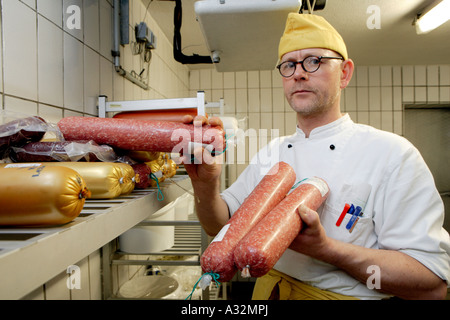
18	132
143	173
103	179
142	135
64	151
143	156
129	177
218	257
263	246
40	195
161	115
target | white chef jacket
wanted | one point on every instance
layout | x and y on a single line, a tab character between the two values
379	171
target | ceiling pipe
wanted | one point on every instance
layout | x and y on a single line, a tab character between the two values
177	50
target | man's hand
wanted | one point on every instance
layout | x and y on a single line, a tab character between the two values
312	239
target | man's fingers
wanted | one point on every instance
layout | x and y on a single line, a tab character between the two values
310	217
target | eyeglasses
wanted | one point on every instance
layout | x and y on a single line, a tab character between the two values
309	64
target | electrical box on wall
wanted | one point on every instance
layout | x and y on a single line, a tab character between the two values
144	34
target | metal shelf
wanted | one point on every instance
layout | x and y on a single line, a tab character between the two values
29	257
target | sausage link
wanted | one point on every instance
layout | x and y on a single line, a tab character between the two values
141	135
218	257
263	246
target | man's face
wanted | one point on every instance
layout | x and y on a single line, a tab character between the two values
313	93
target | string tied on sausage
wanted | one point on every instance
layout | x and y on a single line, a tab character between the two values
204	281
160	195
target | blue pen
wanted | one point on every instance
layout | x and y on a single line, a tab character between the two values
353	218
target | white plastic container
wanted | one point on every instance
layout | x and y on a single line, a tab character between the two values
182	207
148	239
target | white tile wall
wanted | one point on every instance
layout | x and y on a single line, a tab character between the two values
50	70
375	96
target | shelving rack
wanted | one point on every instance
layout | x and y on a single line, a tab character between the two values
197	240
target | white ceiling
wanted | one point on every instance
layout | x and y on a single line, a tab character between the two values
395	43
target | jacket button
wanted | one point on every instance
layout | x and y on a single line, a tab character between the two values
332	147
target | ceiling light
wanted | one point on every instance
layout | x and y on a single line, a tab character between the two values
433	18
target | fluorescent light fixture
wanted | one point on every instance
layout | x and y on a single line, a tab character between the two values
433	18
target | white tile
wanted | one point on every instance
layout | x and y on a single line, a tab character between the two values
420	94
432	75
241	79
217	80
444	94
432	94
50	63
407	95
194	79
387	121
52	10
386	76
241	100
21	106
205	79
420	75
374	76
20	50
397	99
50	114
254	102
290	123
444	75
277	79
265	79
228	80
91	80
374	98
253	79
362	76
408	75
350	99
386	98
106	77
266	100
229	97
106	25
278	122
397	76
73	18
30	3
91	21
363	117
362	98
278	99
375	119
398	122
73	73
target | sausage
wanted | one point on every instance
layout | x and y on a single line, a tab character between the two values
40	195
143	173
19	132
104	180
263	246
218	256
141	135
52	151
164	115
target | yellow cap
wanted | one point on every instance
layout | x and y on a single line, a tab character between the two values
305	31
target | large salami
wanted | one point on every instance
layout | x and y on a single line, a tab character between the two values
263	246
218	257
142	135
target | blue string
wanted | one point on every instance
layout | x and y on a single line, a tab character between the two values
160	195
297	184
215	276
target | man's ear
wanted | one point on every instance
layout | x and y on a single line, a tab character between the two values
347	68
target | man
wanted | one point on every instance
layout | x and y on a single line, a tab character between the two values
398	242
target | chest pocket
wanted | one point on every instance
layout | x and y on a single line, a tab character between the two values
362	233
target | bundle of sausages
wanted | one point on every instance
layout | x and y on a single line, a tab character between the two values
264	226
